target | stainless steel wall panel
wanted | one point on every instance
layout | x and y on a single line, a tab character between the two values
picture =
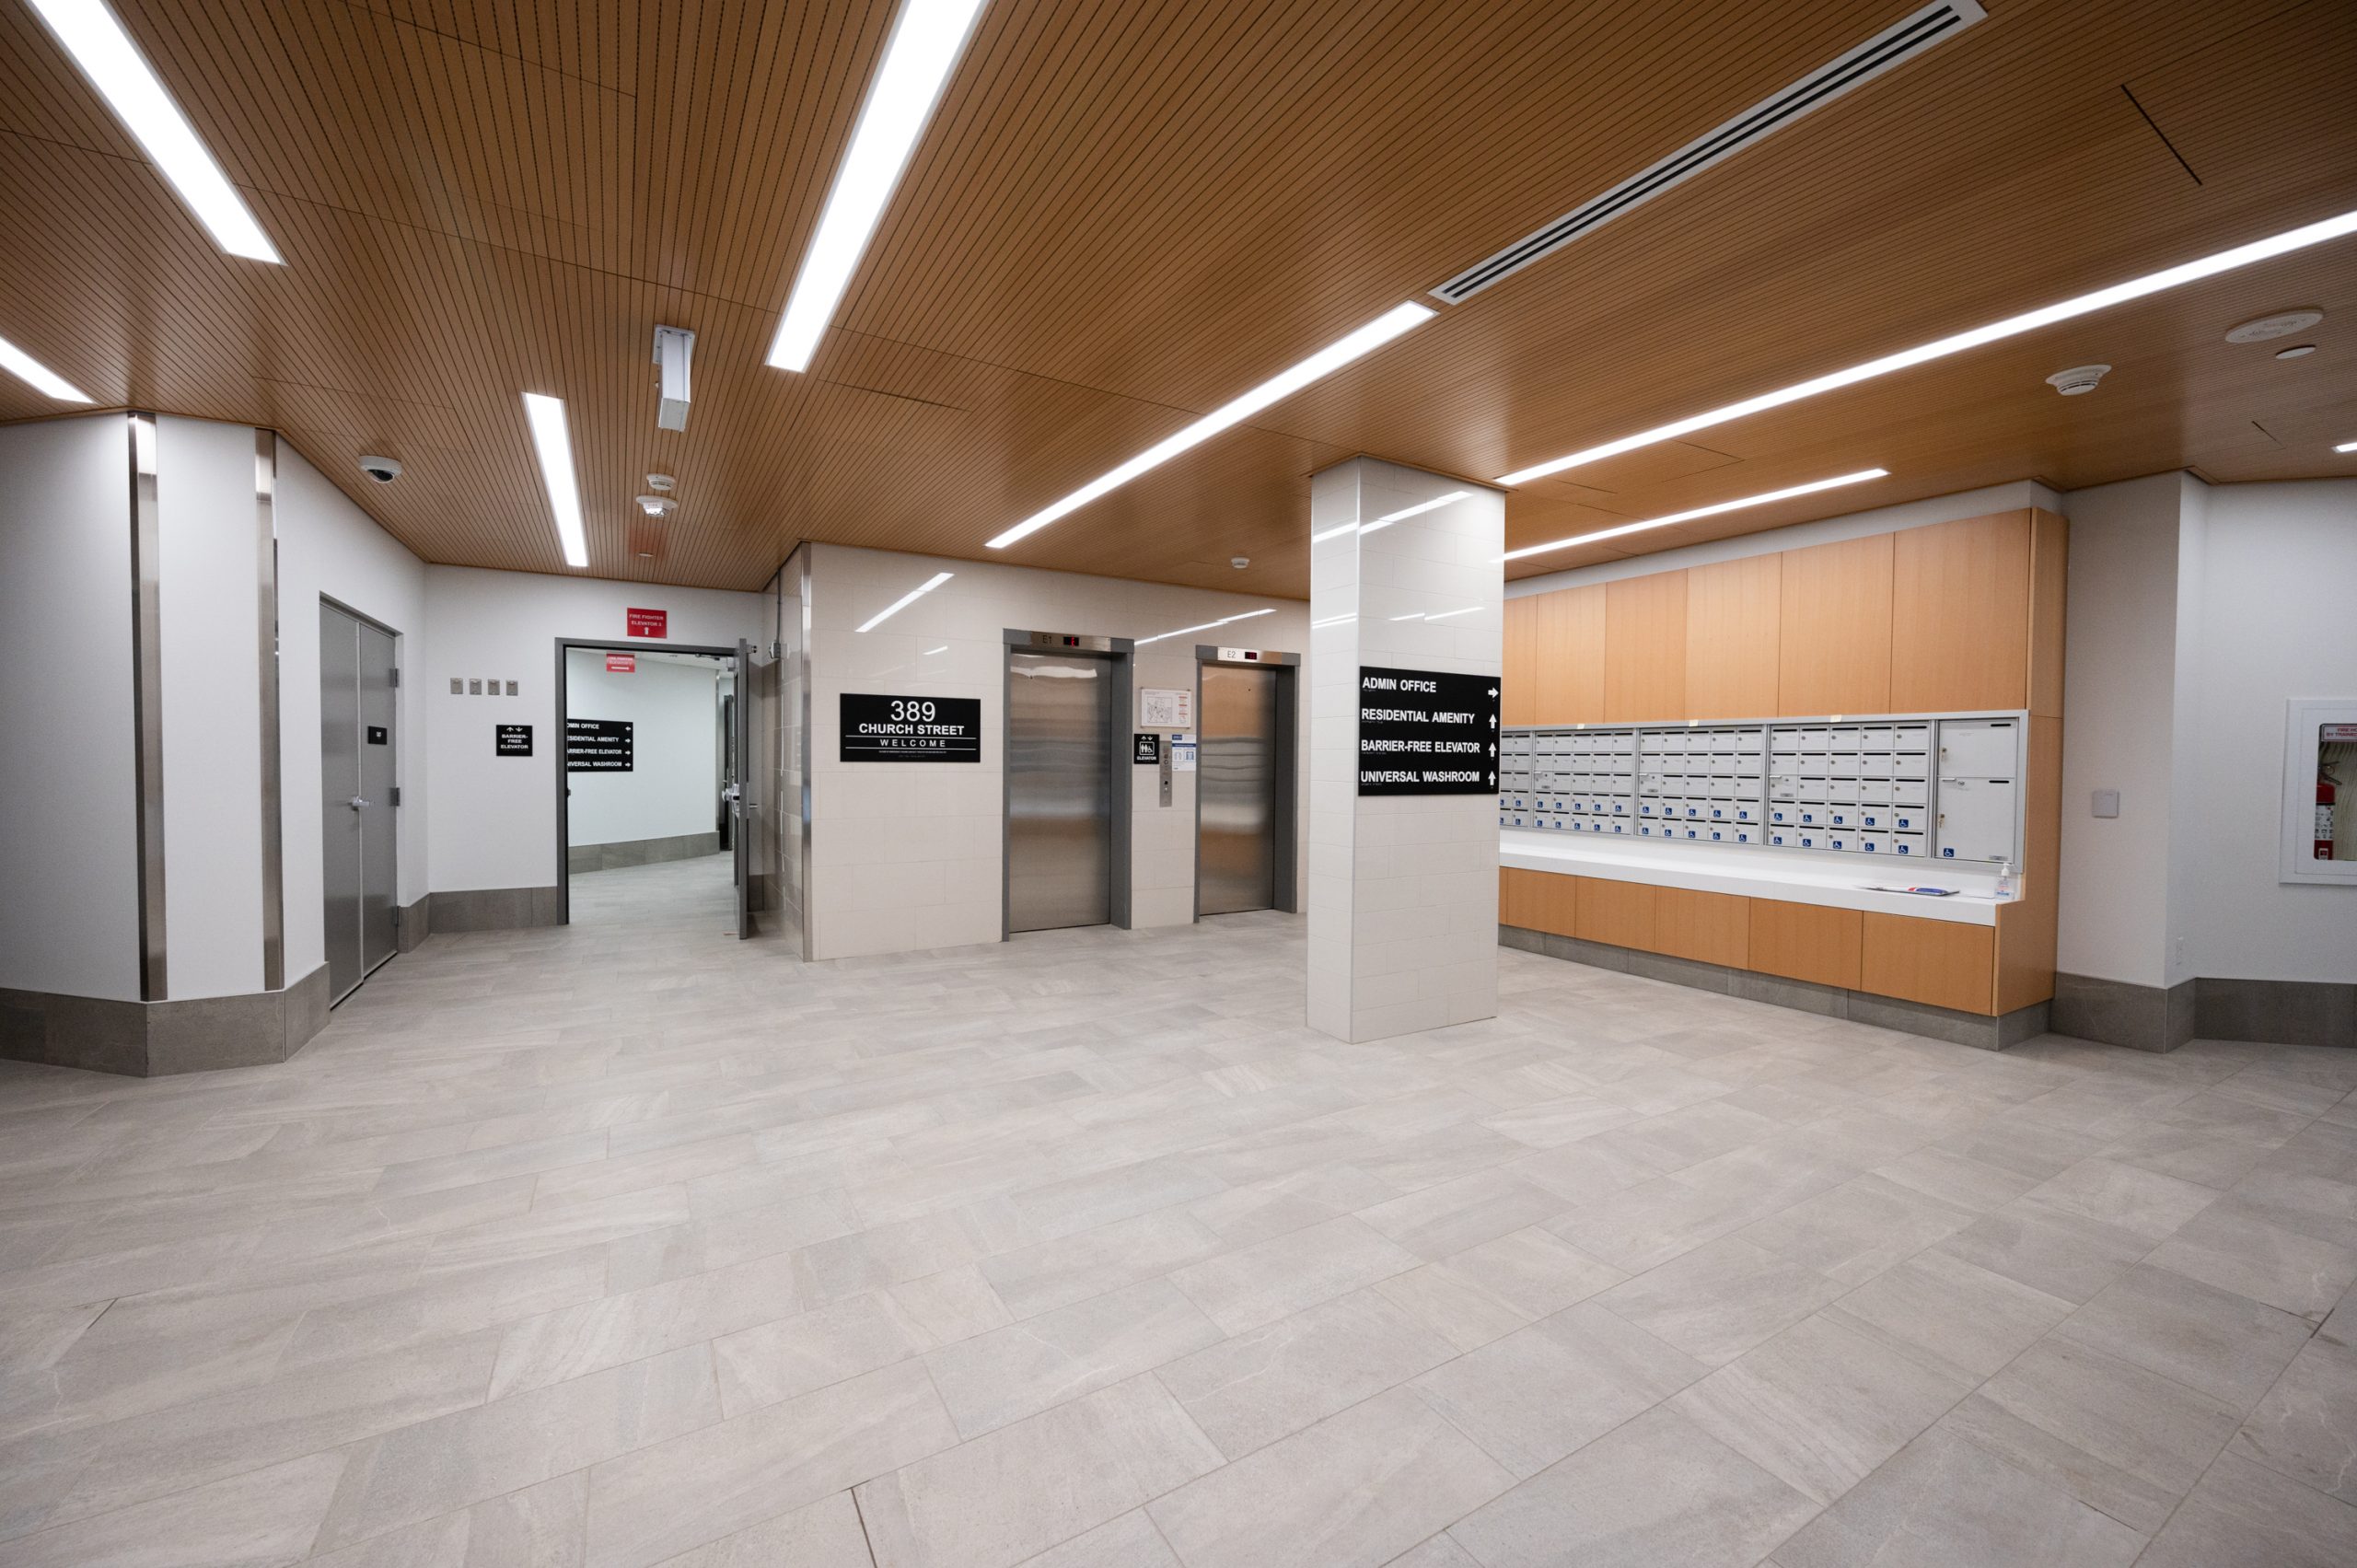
379	862
340	818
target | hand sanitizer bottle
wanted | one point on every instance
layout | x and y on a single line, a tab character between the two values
2007	886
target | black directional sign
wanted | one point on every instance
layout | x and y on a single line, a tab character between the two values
911	729
1425	733
600	746
514	739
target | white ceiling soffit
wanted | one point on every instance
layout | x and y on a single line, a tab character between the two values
1892	47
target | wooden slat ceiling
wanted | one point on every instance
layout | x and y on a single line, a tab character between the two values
1126	212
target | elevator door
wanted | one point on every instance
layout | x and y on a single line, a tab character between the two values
1059	792
358	733
1235	822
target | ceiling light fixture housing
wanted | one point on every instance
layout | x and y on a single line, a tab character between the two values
1835	482
927	38
554	444
2281	244
674	347
2281	324
89	32
1283	384
39	376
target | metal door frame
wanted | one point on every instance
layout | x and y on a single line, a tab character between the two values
563	809
1285	821
1119	654
401	689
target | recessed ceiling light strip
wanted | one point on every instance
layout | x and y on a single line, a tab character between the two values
1325	362
927	38
89	32
39	376
906	600
1711	511
2012	326
555	443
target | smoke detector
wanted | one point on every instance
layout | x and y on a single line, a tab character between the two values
656	506
2079	378
384	471
2282	324
2297	351
660	483
1240	562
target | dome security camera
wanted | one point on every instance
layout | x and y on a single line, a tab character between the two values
384	471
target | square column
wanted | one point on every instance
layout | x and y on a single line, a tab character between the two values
1405	575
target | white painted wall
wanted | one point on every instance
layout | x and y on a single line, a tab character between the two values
906	856
327	548
494	817
209	552
69	787
2278	594
674	782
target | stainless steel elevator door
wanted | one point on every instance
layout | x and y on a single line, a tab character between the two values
1236	823
1059	792
340	814
379	732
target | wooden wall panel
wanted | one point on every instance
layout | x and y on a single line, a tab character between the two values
1805	942
1833	653
1710	928
1644	648
2026	930
1734	611
1518	690
1960	615
1617	912
1937	962
1571	655
2049	560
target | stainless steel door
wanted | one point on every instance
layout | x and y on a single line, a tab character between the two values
1235	783
340	797
745	807
379	734
1059	792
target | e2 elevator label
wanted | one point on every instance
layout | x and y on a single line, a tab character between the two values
911	729
1425	733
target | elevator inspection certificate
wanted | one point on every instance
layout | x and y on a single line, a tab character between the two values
1422	732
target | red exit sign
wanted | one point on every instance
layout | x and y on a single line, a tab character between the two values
648	622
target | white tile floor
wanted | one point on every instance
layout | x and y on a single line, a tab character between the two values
630	1245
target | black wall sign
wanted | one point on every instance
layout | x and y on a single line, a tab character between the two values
379	736
599	746
911	729
1144	748
1425	733
512	740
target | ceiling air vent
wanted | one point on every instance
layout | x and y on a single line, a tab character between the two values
1894	46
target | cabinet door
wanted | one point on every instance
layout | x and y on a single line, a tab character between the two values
1620	913
1960	615
1805	942
1833	644
1937	962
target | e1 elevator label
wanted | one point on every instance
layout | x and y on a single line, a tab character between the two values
1425	733
911	729
599	746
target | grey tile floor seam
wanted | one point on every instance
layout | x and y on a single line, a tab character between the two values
628	1245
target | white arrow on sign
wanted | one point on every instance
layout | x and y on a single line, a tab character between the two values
1493	690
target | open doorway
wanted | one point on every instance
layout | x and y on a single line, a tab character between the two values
650	767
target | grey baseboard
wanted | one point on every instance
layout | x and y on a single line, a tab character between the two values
151	1039
2282	1012
414	923
2113	1012
641	851
1976	1030
492	908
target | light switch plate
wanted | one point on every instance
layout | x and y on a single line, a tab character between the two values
2106	802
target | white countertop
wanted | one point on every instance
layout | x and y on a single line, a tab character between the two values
1752	872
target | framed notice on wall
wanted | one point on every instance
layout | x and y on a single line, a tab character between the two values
911	729
1422	732
599	746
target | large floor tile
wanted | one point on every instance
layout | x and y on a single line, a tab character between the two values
1024	1368
1953	1316
1268	1382
2306	1426
1720	1300
2226	1346
1261	1283
2245	1516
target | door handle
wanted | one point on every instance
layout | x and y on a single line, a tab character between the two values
358	803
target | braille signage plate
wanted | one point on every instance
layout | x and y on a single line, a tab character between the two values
514	739
599	746
911	729
1425	733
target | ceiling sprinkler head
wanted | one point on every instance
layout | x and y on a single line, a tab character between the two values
656	506
2077	379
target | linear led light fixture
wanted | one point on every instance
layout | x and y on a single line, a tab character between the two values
39	376
1206	626
1283	384
907	599
89	32
1711	511
927	38
2344	447
554	445
2012	326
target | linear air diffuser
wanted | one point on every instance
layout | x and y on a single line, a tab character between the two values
1894	46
